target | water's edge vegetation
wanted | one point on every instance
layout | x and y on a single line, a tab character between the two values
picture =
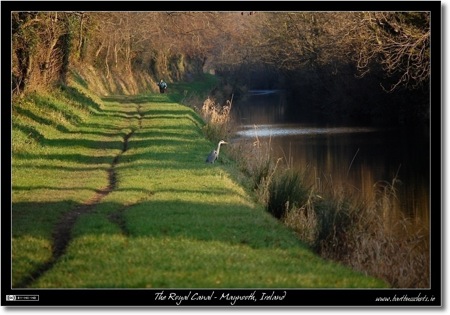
366	231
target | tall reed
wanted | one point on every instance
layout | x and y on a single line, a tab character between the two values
217	118
366	234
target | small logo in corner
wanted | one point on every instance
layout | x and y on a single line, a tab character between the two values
10	297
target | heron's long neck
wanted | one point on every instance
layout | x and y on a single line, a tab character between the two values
218	148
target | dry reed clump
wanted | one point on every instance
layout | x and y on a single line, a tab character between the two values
303	222
389	244
367	235
322	222
256	160
218	121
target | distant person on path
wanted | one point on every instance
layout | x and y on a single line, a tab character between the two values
162	86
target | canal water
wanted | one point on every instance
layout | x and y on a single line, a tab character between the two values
358	158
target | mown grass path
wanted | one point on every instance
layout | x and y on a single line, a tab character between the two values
156	215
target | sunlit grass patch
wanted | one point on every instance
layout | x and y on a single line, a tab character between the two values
165	262
28	253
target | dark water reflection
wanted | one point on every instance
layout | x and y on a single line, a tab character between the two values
358	157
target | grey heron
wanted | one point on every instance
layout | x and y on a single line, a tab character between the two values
212	157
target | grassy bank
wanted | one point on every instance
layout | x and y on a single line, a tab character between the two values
145	209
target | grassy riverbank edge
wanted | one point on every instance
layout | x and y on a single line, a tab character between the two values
171	221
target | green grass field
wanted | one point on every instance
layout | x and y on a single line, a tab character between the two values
169	221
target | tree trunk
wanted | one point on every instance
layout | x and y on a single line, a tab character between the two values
25	62
80	38
106	61
46	66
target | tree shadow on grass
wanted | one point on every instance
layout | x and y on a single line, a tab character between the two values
29	131
137	99
40	119
156	113
81	159
229	223
82	99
